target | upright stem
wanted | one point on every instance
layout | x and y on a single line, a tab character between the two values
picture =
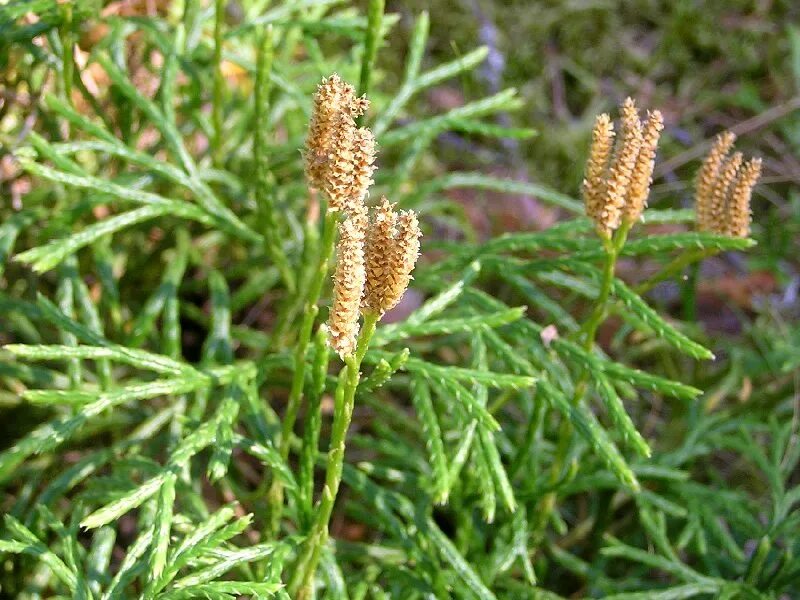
756	565
265	199
312	427
292	305
675	267
219	84
344	401
65	295
599	311
298	379
689	293
612	248
371	40
68	48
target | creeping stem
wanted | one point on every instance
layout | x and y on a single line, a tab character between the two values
344	401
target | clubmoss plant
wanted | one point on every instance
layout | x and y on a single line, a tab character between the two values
226	370
397	253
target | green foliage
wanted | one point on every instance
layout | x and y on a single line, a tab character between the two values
165	385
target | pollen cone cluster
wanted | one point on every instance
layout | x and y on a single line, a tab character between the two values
724	187
392	252
339	156
618	176
374	261
348	284
374	257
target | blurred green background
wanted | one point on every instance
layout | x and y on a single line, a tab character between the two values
708	66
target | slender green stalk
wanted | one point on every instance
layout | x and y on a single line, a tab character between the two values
313	424
597	316
293	304
68	44
534	426
344	401
675	267
65	298
756	564
91	317
191	24
219	84
612	247
265	199
298	380
371	41
678	265
689	292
